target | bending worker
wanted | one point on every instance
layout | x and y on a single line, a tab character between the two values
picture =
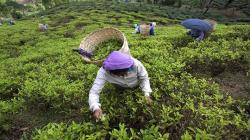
199	29
122	70
150	28
43	27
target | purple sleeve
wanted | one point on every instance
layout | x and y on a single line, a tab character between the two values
201	36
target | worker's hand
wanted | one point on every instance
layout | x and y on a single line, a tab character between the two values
97	114
198	39
149	100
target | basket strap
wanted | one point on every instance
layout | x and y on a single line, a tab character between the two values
83	52
125	48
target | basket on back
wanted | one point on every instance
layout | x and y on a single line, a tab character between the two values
89	43
144	29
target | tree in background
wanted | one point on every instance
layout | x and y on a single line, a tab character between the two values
228	3
11	8
47	3
51	3
4	10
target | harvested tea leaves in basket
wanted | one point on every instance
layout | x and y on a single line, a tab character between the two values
105	48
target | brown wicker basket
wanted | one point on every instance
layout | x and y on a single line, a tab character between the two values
213	23
90	42
144	29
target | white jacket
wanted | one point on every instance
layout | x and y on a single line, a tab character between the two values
137	75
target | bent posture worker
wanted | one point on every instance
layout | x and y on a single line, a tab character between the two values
122	70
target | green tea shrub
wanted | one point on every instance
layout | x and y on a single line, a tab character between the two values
9	108
219	55
182	41
71	131
231	32
16	15
63	20
69	34
80	25
40	73
90	131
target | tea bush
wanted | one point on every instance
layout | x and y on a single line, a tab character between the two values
40	74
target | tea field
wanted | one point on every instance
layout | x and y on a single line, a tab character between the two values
201	90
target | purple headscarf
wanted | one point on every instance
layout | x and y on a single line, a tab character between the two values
117	60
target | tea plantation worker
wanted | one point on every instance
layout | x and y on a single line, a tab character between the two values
12	22
152	28
122	70
137	29
197	34
46	26
199	29
43	27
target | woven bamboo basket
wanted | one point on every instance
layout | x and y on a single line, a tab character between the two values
90	42
144	29
213	23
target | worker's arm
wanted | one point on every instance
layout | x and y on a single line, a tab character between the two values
144	79
94	93
201	36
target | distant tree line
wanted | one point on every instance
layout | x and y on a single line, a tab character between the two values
18	9
11	7
195	3
243	5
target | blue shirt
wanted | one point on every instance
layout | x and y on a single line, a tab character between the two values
199	35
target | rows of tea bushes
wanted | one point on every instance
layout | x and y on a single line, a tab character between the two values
140	8
44	85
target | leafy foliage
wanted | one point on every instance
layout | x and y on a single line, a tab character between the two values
105	48
40	74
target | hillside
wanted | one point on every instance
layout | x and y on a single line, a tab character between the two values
200	89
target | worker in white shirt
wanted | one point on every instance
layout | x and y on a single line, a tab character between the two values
122	70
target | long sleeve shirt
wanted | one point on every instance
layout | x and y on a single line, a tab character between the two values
152	30
199	35
137	29
136	76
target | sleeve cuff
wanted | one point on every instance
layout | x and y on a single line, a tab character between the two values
94	108
147	94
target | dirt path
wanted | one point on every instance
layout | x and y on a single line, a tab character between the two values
236	85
